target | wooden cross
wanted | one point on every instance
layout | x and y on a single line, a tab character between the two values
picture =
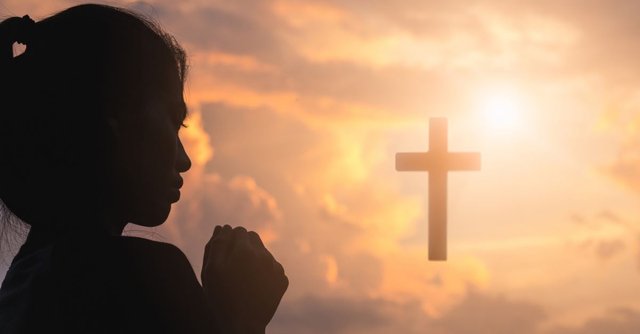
438	161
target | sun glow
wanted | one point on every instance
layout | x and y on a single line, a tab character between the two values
501	111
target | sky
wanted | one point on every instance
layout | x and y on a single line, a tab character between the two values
297	109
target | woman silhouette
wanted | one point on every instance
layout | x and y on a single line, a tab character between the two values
89	122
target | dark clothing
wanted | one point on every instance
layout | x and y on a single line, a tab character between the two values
95	283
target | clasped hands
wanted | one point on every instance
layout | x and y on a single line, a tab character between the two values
242	281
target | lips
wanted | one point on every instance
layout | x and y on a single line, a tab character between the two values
179	182
174	195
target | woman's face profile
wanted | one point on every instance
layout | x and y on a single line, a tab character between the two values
149	158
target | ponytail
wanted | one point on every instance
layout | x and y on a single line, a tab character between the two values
14	29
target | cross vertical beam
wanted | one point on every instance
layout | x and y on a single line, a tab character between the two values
438	162
438	147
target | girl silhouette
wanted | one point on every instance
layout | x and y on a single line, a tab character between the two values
89	122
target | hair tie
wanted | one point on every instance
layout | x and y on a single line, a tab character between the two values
24	32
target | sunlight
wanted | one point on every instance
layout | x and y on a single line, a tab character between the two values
501	111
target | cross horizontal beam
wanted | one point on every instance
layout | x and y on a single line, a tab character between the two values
428	161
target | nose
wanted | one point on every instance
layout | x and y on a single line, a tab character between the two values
183	163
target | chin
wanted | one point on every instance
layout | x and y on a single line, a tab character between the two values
153	218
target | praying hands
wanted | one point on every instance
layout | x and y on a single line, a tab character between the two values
242	281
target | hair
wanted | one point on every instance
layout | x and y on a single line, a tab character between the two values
81	67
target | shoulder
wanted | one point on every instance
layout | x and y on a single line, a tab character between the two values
87	282
144	257
118	253
142	244
159	283
123	267
149	249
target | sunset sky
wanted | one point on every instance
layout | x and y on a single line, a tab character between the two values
297	108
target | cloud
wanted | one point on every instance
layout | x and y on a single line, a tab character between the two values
224	39
479	313
313	314
34	9
619	321
609	248
626	168
218	27
476	313
605	234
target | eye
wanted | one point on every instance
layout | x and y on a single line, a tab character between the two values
178	112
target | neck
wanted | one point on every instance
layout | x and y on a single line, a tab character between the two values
113	222
116	229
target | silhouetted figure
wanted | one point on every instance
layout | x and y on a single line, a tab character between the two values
89	122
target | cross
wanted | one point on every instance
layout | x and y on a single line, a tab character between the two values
438	161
